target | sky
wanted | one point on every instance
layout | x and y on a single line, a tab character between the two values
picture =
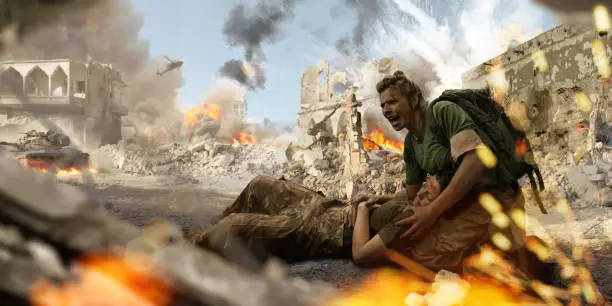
191	30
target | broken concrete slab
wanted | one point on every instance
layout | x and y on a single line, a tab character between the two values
604	167
321	164
199	146
581	185
590	169
597	177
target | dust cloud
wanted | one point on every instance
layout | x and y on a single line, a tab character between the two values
109	33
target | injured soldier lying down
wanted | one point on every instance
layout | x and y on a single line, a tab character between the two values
436	224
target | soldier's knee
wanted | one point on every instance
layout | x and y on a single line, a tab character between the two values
261	180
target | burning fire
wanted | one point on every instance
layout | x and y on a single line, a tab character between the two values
43	167
244	138
376	140
193	115
104	280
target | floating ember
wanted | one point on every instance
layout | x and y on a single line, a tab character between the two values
244	138
498	82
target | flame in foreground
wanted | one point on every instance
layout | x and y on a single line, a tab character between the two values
244	138
389	287
193	115
377	140
104	280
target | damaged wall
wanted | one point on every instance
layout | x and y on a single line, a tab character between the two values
82	98
322	91
547	92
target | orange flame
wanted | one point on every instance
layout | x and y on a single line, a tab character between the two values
417	286
104	280
244	138
377	138
193	115
43	167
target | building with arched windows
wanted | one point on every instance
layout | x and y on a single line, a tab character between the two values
84	99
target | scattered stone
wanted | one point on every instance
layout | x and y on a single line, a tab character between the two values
321	164
200	146
605	167
581	185
597	177
590	169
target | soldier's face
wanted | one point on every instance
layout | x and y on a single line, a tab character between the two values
396	108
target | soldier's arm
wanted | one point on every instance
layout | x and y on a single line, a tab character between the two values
364	249
409	192
459	128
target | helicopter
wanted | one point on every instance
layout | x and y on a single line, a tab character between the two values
172	65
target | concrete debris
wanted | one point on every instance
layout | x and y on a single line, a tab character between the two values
195	275
197	160
328	175
592	183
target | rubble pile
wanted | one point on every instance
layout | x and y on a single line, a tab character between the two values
328	174
202	159
583	181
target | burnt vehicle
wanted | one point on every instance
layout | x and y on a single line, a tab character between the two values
48	151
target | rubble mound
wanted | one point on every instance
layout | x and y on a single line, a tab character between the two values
327	174
210	159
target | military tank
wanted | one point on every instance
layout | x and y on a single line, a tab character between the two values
47	151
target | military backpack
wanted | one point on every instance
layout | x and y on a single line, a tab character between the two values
510	146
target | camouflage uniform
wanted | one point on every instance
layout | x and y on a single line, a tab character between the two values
467	224
288	220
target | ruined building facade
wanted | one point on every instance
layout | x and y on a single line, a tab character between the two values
84	99
547	76
322	91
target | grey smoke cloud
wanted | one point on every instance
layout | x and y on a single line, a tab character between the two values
250	27
368	13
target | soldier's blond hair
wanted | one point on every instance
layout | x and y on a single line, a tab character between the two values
399	80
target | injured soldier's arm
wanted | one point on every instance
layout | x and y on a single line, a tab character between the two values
364	249
409	192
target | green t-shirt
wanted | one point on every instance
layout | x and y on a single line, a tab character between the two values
431	153
383	218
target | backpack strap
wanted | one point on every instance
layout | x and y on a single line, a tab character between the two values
534	167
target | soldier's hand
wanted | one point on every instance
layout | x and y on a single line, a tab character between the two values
369	199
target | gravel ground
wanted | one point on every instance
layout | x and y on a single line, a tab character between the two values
193	203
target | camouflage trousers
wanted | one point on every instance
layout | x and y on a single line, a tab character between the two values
288	220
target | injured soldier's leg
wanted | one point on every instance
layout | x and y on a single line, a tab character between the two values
270	196
260	234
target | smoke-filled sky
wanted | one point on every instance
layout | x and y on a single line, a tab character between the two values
196	32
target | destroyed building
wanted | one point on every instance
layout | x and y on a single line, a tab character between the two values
557	81
84	99
323	91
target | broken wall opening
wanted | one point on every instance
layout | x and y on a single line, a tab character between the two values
11	81
37	82
59	82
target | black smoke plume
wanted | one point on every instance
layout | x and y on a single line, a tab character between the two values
250	28
234	69
369	13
